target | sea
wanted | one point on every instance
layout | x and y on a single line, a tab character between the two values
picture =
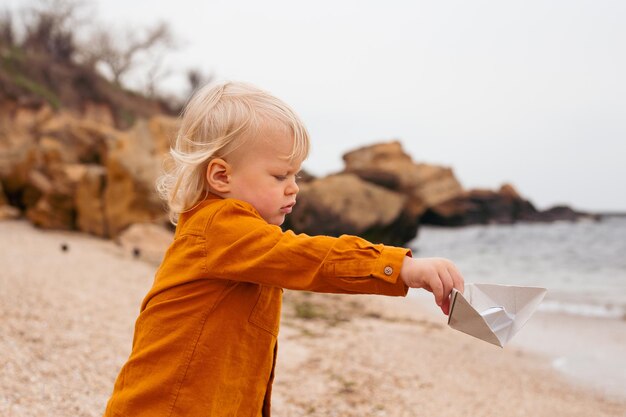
580	327
582	264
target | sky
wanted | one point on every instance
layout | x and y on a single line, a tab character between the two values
531	93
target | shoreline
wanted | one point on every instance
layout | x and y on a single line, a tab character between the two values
389	342
69	316
590	352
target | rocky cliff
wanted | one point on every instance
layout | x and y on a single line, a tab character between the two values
66	171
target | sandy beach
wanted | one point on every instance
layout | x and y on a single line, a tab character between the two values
67	322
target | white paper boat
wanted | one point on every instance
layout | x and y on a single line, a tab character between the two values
493	313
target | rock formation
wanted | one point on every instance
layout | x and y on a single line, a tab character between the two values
504	206
380	195
68	172
72	171
387	165
416	193
345	204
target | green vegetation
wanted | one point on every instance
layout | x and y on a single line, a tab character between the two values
308	307
38	90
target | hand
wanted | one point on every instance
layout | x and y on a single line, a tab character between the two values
436	275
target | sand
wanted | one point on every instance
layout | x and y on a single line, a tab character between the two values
67	322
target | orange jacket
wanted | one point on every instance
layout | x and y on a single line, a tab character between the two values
205	338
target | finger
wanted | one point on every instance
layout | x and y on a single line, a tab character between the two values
459	282
436	287
447	282
445	306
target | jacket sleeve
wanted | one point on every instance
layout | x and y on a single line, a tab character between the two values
241	246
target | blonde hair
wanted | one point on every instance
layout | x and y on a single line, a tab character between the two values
218	119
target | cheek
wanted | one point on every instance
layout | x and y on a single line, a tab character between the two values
262	192
270	196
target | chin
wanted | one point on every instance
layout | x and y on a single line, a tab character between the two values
278	222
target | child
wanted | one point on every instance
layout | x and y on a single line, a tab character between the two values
205	339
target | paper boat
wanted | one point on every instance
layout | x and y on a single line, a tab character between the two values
493	313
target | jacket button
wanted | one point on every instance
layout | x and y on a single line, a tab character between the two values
388	270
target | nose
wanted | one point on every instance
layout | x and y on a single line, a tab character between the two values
292	188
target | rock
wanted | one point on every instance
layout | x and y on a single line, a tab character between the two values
345	204
132	169
52	212
37	144
384	179
81	141
38	149
99	113
435	184
53	151
89	199
18	157
558	213
507	190
480	207
3	198
55	208
162	130
387	165
28	118
485	206
7	212
146	241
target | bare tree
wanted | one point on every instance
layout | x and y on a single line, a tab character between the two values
119	56
7	30
50	26
197	78
66	31
156	72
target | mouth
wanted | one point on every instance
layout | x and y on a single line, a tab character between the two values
287	209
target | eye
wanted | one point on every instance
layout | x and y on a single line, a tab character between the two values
280	177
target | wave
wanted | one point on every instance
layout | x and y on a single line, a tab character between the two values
608	311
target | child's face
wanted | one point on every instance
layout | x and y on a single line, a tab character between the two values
263	175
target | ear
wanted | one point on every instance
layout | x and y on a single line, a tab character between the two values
218	175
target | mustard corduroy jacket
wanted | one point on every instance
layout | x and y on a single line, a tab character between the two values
205	339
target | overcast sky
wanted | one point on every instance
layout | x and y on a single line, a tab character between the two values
529	92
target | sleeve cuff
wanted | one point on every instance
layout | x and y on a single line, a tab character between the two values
389	264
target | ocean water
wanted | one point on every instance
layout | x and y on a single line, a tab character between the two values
582	264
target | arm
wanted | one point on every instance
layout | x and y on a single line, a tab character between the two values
241	246
235	243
